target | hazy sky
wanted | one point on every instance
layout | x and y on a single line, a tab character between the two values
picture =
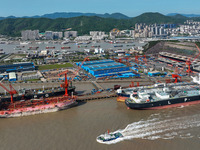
128	7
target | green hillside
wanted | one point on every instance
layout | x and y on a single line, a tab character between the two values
83	24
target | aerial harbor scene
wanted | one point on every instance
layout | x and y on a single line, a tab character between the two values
86	75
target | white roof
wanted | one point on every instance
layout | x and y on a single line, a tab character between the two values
12	75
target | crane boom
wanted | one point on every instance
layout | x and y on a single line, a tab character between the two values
86	58
188	62
4	88
197	55
12	91
66	71
65	84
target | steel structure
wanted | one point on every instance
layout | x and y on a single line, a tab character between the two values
65	84
137	57
12	91
189	62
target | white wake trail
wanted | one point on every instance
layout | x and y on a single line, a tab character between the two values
157	128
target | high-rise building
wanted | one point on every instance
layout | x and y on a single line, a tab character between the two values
161	31
30	35
49	35
136	26
69	34
57	35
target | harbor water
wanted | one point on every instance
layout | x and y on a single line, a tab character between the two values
77	128
10	48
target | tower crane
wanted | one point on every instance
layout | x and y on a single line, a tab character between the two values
12	91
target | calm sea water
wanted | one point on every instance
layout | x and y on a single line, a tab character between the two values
78	127
10	47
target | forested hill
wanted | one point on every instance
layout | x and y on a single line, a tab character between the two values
83	24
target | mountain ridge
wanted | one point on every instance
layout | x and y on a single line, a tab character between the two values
186	15
57	15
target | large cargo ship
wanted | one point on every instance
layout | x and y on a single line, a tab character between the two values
35	106
126	92
165	96
30	94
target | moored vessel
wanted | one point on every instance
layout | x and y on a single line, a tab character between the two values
164	96
50	47
65	47
36	106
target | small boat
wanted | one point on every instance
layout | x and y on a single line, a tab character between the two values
95	46
33	48
118	45
17	48
104	138
50	47
65	47
24	43
83	46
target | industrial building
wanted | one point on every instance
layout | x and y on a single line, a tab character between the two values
107	68
12	76
17	67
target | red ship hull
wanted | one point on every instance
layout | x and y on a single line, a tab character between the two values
36	106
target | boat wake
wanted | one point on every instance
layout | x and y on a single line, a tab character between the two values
157	127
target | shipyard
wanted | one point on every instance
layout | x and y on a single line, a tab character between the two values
95	74
131	85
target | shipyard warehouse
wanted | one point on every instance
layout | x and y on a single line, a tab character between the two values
107	68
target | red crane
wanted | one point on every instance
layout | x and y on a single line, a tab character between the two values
85	59
12	91
65	84
125	58
137	57
189	62
176	77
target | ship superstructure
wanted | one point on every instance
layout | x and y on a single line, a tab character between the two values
164	95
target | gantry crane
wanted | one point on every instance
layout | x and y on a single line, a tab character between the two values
12	91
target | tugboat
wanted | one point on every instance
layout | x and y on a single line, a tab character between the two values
107	137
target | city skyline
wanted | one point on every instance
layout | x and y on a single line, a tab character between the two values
130	8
